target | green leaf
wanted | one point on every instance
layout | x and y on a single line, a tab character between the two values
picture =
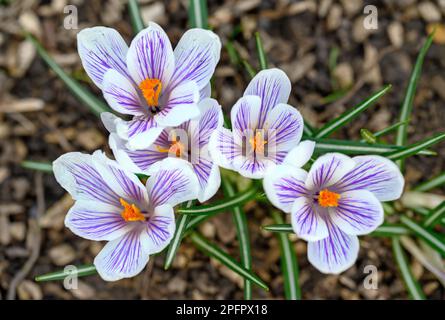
96	105
385	230
407	104
432	238
38	166
79	271
289	264
434	216
198	15
135	16
308	130
431	184
390	128
249	69
260	50
213	251
224	204
242	232
357	147
411	284
415	148
181	224
350	114
368	136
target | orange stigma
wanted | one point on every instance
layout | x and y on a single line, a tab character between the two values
131	212
328	198
257	142
176	148
151	90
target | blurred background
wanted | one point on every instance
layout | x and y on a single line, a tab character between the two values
333	63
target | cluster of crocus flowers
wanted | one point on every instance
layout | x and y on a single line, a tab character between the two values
176	138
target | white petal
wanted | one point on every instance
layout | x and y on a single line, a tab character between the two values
223	149
307	222
335	253
209	178
160	229
300	155
283	184
244	115
327	170
272	86
140	132
376	174
109	121
121	94
123	257
101	49
151	56
358	212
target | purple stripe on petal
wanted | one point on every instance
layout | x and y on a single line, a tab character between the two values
307	219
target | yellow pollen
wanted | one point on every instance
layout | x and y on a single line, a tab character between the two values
257	142
176	148
151	90
328	198
131	212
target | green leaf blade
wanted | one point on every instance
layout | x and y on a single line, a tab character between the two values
415	148
198	14
433	239
135	16
79	271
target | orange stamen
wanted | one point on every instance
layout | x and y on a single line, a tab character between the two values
257	142
328	198
151	90
131	212
176	148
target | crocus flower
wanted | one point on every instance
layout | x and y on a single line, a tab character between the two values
188	141
337	200
113	205
149	81
264	127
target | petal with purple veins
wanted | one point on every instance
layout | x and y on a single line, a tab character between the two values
160	228
300	155
223	149
308	220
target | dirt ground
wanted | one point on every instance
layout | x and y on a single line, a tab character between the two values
40	120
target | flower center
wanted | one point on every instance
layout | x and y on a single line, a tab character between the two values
131	212
257	142
328	198
151	90
176	148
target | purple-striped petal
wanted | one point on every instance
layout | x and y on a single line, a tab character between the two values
123	257
333	254
173	183
376	174
76	173
327	170
123	182
223	149
208	176
140	132
284	126
151	56
121	95
273	87
253	166
358	212
210	119
205	92
196	56
96	221
160	228
283	185
101	49
300	155
307	220
245	114
181	105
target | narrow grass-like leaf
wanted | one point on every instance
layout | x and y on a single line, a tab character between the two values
415	148
357	147
222	205
242	232
407	104
434	216
368	136
308	130
135	16
79	271
289	264
433	239
213	251
38	166
411	284
390	128
249	69
181	224
385	230
96	105
198	14
432	183
260	51
350	114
